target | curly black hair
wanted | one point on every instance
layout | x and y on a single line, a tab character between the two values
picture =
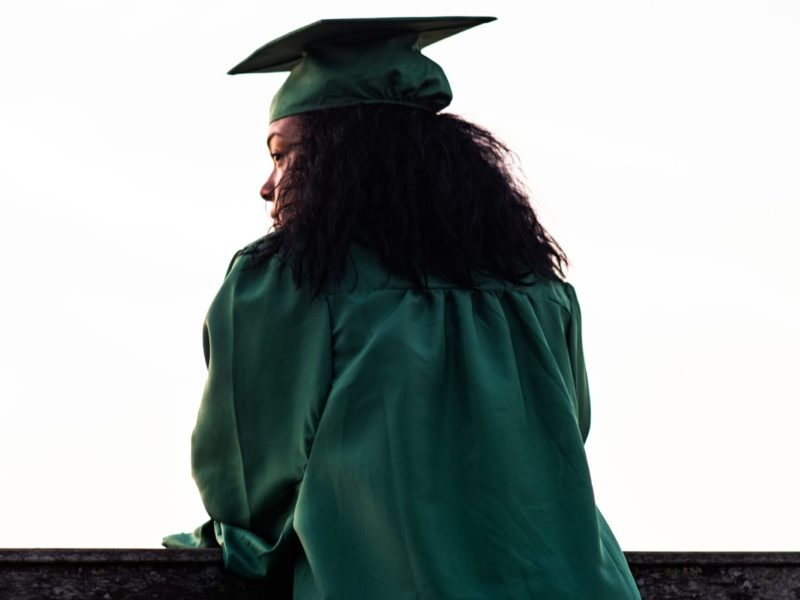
431	194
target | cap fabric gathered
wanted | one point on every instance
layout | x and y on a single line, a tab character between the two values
343	62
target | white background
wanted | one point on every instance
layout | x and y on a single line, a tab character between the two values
660	143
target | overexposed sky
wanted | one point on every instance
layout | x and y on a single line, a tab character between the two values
660	140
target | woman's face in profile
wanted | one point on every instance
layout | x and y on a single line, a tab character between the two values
282	137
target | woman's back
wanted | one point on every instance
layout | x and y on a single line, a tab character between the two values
386	443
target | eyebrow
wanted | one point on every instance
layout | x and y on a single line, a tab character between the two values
272	135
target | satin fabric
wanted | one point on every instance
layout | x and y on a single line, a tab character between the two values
386	71
376	442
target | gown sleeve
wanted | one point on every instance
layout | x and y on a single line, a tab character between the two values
575	349
268	351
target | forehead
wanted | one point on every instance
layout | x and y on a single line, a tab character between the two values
286	129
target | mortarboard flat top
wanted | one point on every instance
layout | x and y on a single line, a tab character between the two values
283	53
341	62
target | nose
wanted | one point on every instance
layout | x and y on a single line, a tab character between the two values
268	189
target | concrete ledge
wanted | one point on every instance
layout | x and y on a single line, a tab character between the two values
717	575
198	574
120	574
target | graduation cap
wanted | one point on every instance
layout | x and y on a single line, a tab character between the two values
342	62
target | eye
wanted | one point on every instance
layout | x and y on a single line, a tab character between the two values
276	156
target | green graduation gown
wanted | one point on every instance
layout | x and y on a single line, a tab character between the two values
374	442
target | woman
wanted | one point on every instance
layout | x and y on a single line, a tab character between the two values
397	401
